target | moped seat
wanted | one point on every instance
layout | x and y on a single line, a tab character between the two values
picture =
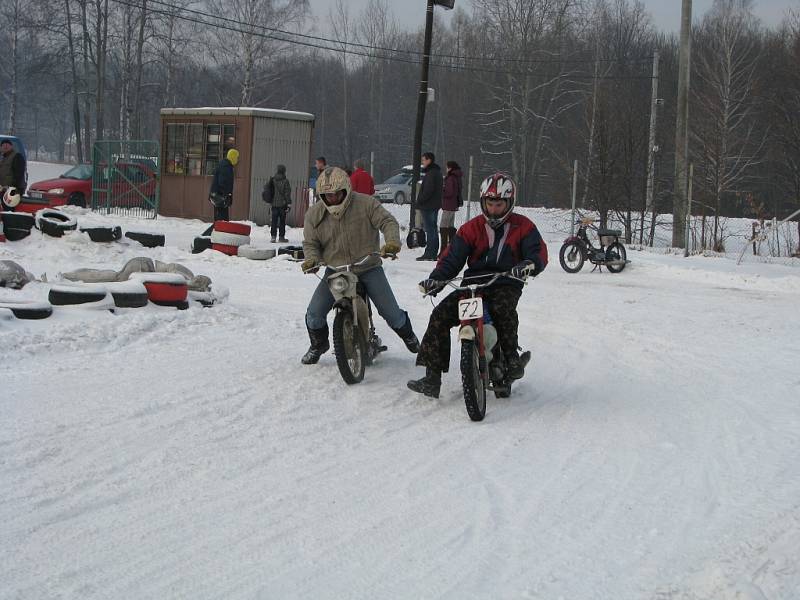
614	232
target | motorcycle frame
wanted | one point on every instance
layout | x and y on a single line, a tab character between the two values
472	329
349	299
590	249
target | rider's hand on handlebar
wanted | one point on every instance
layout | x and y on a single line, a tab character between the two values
390	249
309	266
431	287
523	269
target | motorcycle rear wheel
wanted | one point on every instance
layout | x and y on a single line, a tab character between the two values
572	257
472	382
350	348
615	251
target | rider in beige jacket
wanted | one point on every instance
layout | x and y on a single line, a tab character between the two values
343	227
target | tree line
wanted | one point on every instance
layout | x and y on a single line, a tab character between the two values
525	86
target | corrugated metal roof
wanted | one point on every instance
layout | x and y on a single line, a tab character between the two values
240	111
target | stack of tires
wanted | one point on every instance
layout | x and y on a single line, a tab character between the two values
227	237
16	225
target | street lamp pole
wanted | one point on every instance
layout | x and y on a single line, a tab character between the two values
421	102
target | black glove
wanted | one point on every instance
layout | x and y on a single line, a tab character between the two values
287	208
523	269
431	287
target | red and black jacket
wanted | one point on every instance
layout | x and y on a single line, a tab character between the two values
486	250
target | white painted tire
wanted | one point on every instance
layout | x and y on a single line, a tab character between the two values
229	239
255	253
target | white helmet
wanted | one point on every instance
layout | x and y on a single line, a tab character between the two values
12	197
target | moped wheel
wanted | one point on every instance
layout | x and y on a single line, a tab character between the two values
571	257
350	348
472	382
615	252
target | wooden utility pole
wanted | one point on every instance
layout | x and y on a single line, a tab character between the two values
651	151
421	102
682	130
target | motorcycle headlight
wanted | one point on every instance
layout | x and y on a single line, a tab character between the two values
56	191
339	285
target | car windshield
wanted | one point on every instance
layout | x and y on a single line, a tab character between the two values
79	172
400	178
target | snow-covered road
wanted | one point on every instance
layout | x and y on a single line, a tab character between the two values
650	453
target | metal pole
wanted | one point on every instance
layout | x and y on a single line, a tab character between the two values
682	128
421	101
651	159
688	210
574	195
372	164
469	189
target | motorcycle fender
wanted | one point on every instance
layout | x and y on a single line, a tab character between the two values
467	332
572	238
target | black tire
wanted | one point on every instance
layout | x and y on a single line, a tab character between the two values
54	223
103	234
15	234
148	240
350	348
200	244
616	251
472	382
69	297
29	311
18	220
400	198
76	199
572	256
129	299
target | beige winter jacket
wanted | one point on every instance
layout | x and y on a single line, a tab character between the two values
341	240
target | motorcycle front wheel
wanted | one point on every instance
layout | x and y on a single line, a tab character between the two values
350	348
472	382
571	257
615	252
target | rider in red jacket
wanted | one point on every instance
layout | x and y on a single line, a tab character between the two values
361	180
495	241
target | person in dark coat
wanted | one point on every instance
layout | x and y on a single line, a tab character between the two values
496	241
362	181
281	203
12	169
429	202
451	202
221	192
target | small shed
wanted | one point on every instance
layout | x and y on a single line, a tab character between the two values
194	140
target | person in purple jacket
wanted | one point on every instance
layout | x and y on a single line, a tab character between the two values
451	202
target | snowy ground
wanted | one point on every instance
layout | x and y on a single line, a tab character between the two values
650	453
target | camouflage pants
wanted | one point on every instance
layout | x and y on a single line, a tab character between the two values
434	352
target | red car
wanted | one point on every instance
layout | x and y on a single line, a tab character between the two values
130	179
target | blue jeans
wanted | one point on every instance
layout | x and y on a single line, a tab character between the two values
378	290
429	218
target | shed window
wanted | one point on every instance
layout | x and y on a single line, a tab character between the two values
196	148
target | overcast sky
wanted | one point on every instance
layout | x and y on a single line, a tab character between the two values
666	13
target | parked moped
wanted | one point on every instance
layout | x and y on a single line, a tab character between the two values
578	248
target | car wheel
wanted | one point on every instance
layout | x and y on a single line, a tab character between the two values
76	199
399	198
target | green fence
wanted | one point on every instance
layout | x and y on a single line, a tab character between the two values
125	177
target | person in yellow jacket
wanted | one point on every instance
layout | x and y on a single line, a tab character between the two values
342	228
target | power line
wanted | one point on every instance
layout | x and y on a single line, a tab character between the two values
175	10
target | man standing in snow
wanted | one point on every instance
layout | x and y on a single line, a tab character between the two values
281	203
12	168
345	227
362	181
428	203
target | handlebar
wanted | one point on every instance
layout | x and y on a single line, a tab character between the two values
476	286
349	266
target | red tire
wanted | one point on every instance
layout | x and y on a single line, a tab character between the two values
229	250
229	227
166	293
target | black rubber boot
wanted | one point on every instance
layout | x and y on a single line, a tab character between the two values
319	346
516	363
428	385
406	333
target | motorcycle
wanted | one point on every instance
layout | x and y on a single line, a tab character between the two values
578	248
483	365
355	343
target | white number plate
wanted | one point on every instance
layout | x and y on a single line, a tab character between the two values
470	308
36	194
